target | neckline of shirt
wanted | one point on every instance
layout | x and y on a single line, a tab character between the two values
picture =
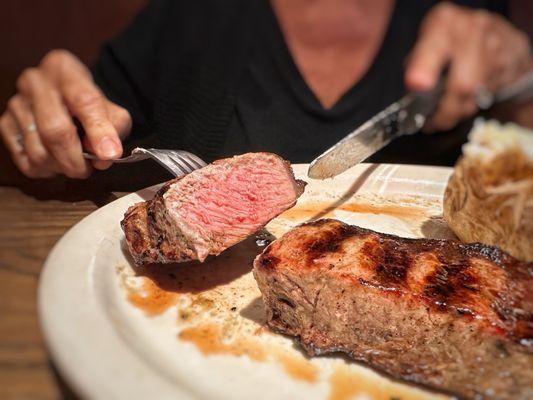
295	81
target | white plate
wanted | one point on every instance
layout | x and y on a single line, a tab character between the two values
114	333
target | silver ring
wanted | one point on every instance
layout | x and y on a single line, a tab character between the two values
32	127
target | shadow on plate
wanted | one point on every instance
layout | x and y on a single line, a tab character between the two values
255	311
196	277
437	228
350	192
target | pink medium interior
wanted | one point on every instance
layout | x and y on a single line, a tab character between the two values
235	199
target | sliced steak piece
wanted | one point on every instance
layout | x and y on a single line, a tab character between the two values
210	209
455	317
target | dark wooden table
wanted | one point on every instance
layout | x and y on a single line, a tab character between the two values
29	229
34	215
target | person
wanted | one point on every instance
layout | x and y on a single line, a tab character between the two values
225	77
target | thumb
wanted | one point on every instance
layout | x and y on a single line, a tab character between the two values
120	118
431	53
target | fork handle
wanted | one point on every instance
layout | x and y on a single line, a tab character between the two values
136	155
89	156
92	157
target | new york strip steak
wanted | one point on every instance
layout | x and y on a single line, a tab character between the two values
455	317
210	209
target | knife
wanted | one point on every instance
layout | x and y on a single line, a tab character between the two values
403	117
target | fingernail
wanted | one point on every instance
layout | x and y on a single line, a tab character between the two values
108	148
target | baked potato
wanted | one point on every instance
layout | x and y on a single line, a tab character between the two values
489	197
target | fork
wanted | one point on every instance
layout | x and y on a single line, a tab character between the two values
178	162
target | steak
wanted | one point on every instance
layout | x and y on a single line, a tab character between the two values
210	209
454	317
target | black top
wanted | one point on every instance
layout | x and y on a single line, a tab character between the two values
216	77
277	111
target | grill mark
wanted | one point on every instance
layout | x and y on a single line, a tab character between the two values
329	241
394	264
268	261
389	260
452	279
324	245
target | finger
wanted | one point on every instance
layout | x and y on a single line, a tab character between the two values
59	62
33	146
120	118
121	121
469	107
468	69
10	132
429	56
509	51
11	135
86	102
98	164
54	123
466	74
448	113
510	61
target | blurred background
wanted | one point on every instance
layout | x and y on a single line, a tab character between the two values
30	28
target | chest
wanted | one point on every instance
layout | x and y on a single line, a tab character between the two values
333	43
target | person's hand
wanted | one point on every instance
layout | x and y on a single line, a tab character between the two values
482	49
38	125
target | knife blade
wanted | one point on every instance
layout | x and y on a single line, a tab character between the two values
406	116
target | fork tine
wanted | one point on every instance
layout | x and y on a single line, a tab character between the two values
198	161
180	167
192	161
178	161
187	162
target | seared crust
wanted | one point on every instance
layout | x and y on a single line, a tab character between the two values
171	247
139	241
457	317
145	236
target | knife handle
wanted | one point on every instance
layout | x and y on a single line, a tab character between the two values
416	107
426	102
